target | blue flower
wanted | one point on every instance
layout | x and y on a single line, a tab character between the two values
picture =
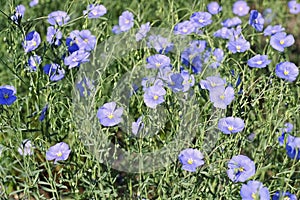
58	152
54	71
279	41
32	41
33	3
294	7
158	61
154	95
221	97
126	21
137	126
292	147
43	113
54	35
191	159
184	28
95	11
256	20
240	168
188	80
7	95
223	33
239	45
85	40
160	44
34	62
284	195
212	82
271	30
240	8
58	18
116	29
26	148
259	61
230	22
231	125
109	115
176	82
145	28
19	14
201	19
254	190
76	58
214	8
217	56
287	71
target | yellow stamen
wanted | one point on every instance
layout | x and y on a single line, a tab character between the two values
155	97
259	62
286	198
238	47
253	195
184	30
86	40
34	43
127	21
241	169
230	128
5	96
222	97
157	64
110	116
286	72
213	84
59	154
190	161
201	20
281	41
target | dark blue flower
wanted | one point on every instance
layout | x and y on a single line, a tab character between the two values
284	196
54	71
43	113
7	95
240	168
256	20
32	41
19	14
191	159
292	147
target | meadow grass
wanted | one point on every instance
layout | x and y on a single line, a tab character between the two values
266	103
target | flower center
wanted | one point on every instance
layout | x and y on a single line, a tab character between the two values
230	128
94	12
259	62
155	97
34	43
222	97
6	96
59	154
286	72
157	64
213	84
184	30
201	20
281	42
253	195
238	47
74	59
127	21
190	161
110	116
286	198
241	169
86	40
